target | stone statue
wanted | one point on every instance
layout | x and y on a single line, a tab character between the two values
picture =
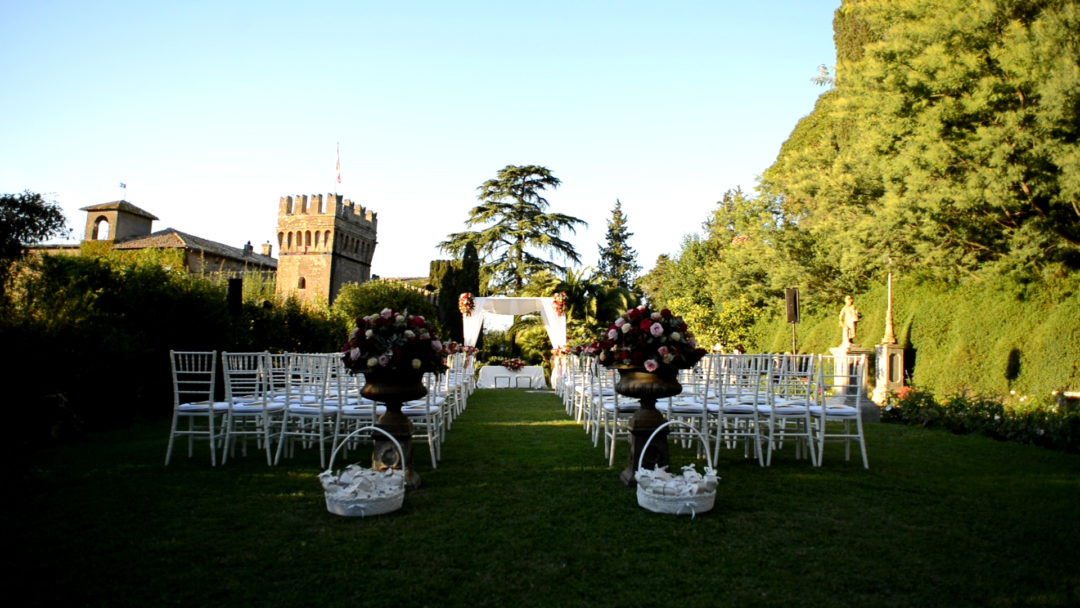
849	319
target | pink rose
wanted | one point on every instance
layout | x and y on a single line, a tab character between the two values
384	360
656	330
651	365
612	334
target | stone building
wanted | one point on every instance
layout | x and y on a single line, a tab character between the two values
128	227
323	243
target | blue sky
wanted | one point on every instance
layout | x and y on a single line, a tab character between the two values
211	111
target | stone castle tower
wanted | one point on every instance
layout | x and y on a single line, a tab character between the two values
323	243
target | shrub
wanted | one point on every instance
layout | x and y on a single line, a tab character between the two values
1052	423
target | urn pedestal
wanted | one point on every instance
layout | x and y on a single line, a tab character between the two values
647	387
393	388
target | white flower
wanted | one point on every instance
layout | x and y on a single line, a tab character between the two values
369	333
416	364
372	362
676	336
620	322
612	334
626	328
409	334
399	319
655	316
436	345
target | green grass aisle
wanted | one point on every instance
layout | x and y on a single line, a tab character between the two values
523	511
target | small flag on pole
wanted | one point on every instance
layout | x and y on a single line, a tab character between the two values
339	163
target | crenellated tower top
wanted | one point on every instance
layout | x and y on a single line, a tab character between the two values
331	204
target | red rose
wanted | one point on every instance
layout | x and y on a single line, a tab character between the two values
665	313
637	357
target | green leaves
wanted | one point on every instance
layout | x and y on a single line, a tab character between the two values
515	223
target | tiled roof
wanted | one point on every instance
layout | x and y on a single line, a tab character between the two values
120	206
171	238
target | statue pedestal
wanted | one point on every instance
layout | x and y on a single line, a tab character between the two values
844	355
890	371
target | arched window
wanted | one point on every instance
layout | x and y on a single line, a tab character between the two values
301	283
101	229
280	240
307	239
290	241
317	239
326	239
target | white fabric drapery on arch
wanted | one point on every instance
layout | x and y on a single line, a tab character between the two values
553	323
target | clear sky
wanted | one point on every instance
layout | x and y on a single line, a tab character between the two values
212	111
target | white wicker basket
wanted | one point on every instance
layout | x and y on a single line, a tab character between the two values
363	492
688	494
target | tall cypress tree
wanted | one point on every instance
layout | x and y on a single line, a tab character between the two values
618	261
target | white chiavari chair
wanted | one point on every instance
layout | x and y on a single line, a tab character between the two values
195	413
838	398
252	413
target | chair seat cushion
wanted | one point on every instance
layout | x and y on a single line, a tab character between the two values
203	406
736	409
256	408
835	411
419	410
782	410
307	410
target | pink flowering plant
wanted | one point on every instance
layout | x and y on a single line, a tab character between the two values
653	340
393	341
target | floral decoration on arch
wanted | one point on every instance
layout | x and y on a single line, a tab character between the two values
466	304
560	303
654	340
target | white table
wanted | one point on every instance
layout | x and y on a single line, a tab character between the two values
497	376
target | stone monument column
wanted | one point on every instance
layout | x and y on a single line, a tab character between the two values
890	359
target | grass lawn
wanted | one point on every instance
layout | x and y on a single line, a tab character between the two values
523	511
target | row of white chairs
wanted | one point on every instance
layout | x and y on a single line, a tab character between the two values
757	403
289	400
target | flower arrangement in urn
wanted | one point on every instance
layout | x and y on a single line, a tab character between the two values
393	341
653	340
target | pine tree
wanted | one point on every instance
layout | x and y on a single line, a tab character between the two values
516	223
618	261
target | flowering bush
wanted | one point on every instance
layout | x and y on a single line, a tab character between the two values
393	341
654	340
559	351
513	364
466	304
560	304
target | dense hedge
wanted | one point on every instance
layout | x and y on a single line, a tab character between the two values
996	338
87	338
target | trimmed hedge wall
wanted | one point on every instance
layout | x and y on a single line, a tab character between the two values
989	338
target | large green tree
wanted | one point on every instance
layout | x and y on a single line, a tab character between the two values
618	261
950	144
25	219
518	232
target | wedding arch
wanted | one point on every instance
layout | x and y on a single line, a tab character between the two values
554	323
